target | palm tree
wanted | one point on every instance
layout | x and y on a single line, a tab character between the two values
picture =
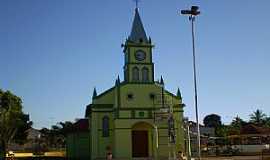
258	117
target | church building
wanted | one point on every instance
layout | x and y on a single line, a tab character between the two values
135	118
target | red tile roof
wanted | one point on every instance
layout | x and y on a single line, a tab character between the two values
253	129
82	125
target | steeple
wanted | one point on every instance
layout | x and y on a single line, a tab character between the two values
138	67
117	81
178	94
137	32
94	93
161	81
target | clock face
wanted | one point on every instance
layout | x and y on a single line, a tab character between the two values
140	55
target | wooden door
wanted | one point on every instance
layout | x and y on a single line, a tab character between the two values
139	144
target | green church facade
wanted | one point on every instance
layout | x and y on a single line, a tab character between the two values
137	117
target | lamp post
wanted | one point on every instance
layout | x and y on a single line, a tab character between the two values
192	13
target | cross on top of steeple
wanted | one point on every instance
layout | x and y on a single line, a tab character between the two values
137	3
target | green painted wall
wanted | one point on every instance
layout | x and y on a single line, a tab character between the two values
141	94
99	143
108	98
122	143
78	146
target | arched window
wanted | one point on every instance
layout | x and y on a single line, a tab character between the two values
135	74
105	127
145	74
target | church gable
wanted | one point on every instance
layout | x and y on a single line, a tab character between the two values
145	96
107	97
136	95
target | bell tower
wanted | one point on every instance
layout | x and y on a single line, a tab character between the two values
138	67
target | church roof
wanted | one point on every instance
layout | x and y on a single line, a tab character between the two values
137	32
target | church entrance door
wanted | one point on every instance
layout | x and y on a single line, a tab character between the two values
140	143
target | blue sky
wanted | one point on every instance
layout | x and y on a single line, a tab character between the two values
53	53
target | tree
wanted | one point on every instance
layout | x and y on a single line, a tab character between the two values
21	134
235	126
66	127
258	117
222	131
267	122
212	120
55	137
13	122
237	122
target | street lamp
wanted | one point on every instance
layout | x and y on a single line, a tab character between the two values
193	12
